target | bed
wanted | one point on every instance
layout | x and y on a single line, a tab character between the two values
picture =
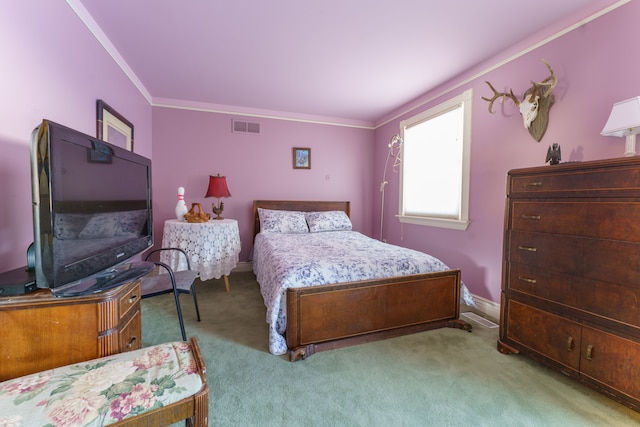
317	303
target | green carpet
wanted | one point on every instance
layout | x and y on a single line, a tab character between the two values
445	377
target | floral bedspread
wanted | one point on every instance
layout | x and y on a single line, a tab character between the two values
282	261
101	391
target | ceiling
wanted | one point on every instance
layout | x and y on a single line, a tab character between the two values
352	60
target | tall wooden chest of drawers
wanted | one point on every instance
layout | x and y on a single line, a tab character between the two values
571	272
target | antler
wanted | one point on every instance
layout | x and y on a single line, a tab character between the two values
550	83
497	95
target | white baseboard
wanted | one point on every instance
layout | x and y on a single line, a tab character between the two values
489	308
243	266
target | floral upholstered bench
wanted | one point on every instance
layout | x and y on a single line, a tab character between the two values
153	386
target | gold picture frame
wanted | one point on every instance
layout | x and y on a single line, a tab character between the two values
301	158
112	127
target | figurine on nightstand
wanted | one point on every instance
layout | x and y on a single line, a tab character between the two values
553	154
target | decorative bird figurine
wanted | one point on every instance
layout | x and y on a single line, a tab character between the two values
217	210
553	154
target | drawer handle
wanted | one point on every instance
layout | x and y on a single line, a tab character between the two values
536	217
570	343
527	248
132	341
133	299
590	352
533	184
526	279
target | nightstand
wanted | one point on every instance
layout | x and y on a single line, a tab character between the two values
213	247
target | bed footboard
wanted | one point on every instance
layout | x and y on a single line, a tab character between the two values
332	316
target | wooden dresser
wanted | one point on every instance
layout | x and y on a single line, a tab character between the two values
571	272
40	331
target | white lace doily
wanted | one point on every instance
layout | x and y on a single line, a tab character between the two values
213	246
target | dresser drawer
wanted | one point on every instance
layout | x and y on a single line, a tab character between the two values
550	251
613	220
611	360
603	220
130	334
596	180
549	217
617	302
599	259
129	300
544	333
612	261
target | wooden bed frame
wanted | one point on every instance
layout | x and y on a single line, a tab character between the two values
332	316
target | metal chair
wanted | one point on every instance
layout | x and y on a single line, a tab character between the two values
176	282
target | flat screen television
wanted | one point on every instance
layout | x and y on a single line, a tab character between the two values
91	211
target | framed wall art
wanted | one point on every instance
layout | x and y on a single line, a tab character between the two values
112	127
301	158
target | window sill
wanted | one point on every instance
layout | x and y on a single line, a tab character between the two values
435	222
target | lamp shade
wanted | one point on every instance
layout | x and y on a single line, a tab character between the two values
218	187
624	119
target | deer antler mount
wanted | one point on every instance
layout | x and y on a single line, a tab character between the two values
535	104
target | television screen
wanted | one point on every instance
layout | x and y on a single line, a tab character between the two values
91	210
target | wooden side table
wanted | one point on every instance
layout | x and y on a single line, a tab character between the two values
213	247
41	331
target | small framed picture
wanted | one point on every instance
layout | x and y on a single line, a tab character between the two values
301	158
112	127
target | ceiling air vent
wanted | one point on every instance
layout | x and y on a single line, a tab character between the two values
245	127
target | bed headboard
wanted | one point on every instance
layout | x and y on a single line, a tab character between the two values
296	205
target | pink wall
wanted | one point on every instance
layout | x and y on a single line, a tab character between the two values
188	146
58	71
595	70
53	68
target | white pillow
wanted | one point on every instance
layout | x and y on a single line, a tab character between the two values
328	221
277	221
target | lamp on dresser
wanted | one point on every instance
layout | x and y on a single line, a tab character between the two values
624	120
218	188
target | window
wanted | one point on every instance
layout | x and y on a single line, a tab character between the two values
434	177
